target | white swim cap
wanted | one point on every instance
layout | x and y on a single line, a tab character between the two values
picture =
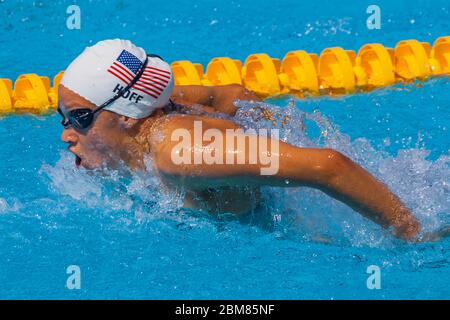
100	71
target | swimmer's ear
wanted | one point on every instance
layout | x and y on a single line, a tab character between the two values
127	122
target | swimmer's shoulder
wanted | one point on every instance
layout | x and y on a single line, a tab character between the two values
166	133
167	124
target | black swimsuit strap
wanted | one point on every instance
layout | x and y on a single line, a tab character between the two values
172	106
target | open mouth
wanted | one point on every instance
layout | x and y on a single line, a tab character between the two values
77	161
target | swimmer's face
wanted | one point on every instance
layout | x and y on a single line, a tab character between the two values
101	143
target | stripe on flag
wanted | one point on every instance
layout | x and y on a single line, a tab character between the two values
153	80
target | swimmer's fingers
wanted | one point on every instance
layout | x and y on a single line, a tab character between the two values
435	236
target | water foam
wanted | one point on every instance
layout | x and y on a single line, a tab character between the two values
420	182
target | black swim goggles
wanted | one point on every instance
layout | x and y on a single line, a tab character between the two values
82	118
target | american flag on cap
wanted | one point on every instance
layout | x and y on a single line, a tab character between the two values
152	82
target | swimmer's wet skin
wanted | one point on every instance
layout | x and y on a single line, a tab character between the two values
125	130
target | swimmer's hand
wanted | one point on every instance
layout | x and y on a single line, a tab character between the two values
435	236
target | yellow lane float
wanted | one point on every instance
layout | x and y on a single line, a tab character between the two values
440	56
412	60
223	71
298	72
6	93
335	71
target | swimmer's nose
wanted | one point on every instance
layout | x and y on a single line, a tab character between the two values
69	135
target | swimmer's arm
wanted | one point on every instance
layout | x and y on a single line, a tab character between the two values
324	169
221	98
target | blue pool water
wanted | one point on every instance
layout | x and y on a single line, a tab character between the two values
132	241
